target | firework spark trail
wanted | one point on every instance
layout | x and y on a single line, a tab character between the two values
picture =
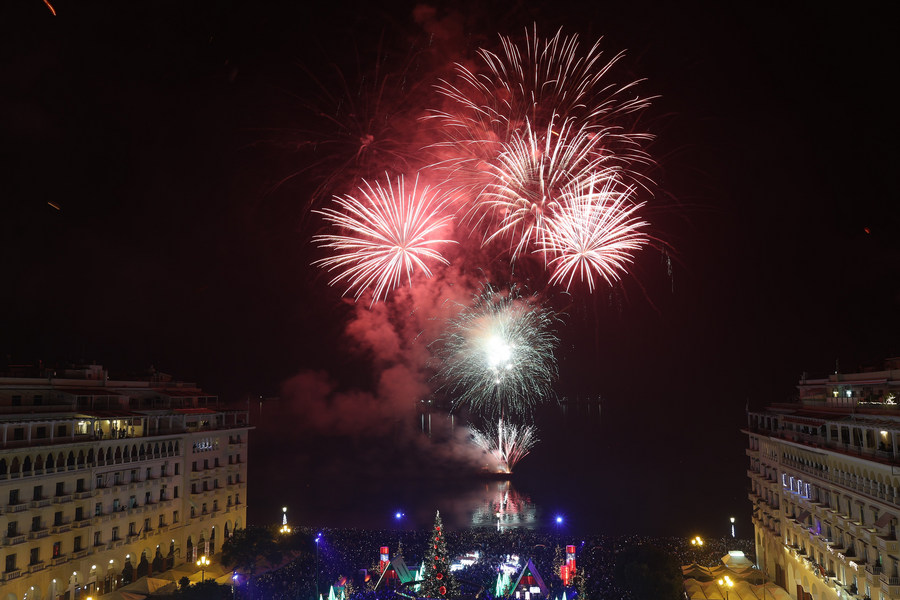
506	442
388	232
530	122
535	83
529	176
594	233
497	355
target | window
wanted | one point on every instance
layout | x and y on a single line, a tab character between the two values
77	545
164	469
174	516
98	509
35	557
99	482
175	495
61	431
115	534
116	505
194	466
217	461
147	525
79	513
10	563
19	433
162	521
13	496
38	400
117	478
17	400
193	488
79	485
215	505
131	530
132	502
237	498
12	528
57	518
229	480
38	493
60	488
193	511
229	501
36	523
162	493
40	432
147	498
98	538
134	476
57	549
149	472
205	463
177	469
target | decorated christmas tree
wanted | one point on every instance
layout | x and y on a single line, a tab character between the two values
438	582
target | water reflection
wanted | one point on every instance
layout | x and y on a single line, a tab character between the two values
503	507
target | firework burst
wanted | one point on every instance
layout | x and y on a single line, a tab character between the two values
529	176
386	232
594	233
506	442
497	355
538	83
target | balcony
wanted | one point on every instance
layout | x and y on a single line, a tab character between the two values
14	508
61	528
83	522
890	586
39	503
38	533
9	575
80	553
12	540
62	499
38	566
59	560
82	495
889	545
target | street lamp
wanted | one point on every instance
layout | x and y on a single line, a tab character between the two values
318	537
732	527
203	563
727	583
285	528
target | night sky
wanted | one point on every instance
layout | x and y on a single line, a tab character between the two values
172	140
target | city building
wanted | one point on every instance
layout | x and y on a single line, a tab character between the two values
104	481
825	486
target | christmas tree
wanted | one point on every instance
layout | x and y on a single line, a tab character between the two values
437	583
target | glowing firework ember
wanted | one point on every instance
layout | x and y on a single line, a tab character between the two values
593	233
506	442
387	232
497	355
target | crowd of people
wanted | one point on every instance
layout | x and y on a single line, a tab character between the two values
349	560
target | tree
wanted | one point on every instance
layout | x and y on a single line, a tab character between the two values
246	546
438	582
649	573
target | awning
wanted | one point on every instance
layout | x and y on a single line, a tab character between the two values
884	519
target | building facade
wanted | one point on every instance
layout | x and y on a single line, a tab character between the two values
825	487
105	481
